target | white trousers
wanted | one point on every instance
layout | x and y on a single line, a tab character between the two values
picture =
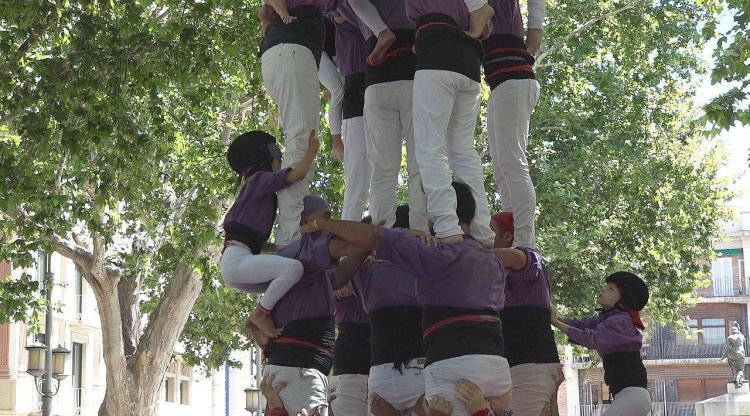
402	389
534	387
331	79
474	5
351	395
630	401
508	113
291	78
306	388
389	119
446	105
369	15
254	273
489	372
356	169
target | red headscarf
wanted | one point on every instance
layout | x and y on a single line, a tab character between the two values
505	220
634	314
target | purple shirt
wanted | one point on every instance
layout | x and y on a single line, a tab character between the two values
507	19
323	5
455	9
462	275
255	208
530	285
606	333
393	14
351	49
349	309
312	296
382	284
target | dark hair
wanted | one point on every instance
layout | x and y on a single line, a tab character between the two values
367	220
402	217
250	149
466	206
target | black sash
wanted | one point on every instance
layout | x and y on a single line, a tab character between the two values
440	44
352	349
354	96
396	335
308	30
460	338
624	369
528	336
400	61
315	349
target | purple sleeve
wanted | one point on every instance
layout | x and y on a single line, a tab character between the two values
583	323
533	269
605	336
315	256
270	182
415	258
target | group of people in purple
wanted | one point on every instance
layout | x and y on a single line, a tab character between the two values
432	308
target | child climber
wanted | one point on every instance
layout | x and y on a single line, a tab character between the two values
257	160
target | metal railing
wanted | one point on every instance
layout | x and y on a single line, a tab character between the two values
723	286
657	409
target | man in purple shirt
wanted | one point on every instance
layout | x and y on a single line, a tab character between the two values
529	341
302	355
290	55
462	288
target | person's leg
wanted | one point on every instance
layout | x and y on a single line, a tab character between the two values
534	386
502	185
401	389
631	401
370	16
417	198
331	79
513	101
356	169
351	395
434	94
291	78
383	150
464	159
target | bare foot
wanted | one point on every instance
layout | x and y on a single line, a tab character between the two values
478	20
452	239
281	9
337	147
385	40
260	338
262	319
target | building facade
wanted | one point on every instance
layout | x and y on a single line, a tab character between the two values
682	368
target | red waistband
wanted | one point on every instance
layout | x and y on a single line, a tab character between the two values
501	50
395	53
517	68
295	341
488	319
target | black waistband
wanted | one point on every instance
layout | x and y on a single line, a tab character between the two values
244	235
329	42
528	336
505	57
317	331
308	30
396	334
460	338
352	349
354	96
624	369
400	62
441	45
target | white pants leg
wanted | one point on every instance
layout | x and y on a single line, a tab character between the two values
489	372
356	169
306	388
474	5
508	113
256	273
534	386
446	105
369	15
291	78
351	395
389	119
402	389
630	401
331	79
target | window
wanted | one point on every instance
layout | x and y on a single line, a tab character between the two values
40	266
689	391
171	382
713	331
79	294
185	392
721	276
77	374
690	336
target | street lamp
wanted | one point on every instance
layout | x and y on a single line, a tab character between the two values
36	351
37	364
59	357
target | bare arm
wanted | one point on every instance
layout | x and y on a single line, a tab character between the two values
355	233
346	270
512	258
303	167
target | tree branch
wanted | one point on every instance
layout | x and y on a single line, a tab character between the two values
538	64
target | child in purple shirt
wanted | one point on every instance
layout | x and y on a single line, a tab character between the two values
257	159
615	335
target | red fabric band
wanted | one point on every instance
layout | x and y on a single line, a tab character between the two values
461	318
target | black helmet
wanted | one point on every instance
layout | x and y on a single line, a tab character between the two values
634	289
250	149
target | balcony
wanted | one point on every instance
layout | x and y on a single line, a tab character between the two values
657	409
